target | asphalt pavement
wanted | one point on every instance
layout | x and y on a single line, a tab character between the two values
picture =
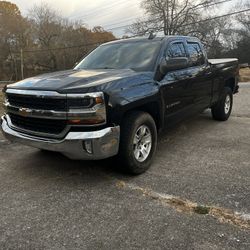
196	195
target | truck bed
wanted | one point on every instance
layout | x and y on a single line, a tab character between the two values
222	61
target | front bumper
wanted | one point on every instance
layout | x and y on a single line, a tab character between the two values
104	143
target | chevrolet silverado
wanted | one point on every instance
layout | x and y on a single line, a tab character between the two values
119	98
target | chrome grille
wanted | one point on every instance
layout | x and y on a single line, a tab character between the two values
51	114
35	112
47	126
41	103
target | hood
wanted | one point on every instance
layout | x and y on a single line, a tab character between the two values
80	80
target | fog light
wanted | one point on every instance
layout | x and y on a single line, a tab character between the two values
87	145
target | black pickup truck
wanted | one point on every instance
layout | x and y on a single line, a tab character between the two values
119	98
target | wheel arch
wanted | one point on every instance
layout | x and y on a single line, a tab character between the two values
231	83
152	108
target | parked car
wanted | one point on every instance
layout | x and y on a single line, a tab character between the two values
119	98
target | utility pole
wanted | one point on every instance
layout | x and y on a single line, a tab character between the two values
21	58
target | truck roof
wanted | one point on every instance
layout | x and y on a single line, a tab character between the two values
146	39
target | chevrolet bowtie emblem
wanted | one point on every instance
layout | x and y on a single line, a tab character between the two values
24	111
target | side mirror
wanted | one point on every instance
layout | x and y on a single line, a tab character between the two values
170	64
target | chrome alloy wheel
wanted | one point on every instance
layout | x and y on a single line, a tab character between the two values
227	104
142	143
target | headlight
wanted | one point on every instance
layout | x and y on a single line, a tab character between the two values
86	109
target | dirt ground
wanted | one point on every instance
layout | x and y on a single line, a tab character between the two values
245	75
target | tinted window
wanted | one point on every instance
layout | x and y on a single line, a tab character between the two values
138	56
176	50
196	54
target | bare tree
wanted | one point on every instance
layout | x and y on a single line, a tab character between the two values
169	16
47	26
51	31
244	19
12	38
242	48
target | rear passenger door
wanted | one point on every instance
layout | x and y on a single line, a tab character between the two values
175	87
200	75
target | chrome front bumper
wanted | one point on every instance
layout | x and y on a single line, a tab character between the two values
104	143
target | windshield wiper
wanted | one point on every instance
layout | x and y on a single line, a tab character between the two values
105	68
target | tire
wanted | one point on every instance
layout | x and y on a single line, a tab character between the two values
135	153
221	111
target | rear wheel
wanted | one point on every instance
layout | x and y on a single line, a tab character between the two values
138	142
221	111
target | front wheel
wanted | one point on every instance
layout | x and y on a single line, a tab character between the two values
138	142
223	108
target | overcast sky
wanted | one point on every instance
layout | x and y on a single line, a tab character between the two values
106	13
93	13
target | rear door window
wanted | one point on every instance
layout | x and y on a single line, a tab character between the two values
196	54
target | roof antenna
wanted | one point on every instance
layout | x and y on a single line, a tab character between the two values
151	35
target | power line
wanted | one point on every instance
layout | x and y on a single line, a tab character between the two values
199	7
96	44
97	11
217	17
100	15
204	5
208	19
94	11
132	19
109	26
122	21
212	4
62	48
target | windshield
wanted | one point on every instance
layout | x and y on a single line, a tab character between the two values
139	56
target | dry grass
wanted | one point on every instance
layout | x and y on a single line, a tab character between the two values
245	75
186	206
